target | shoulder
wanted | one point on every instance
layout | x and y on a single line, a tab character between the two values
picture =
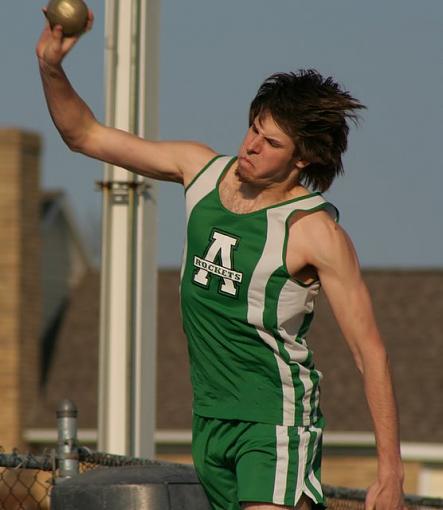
315	227
322	241
194	157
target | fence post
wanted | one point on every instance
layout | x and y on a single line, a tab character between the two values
67	449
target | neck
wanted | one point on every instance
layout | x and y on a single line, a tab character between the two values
245	197
272	190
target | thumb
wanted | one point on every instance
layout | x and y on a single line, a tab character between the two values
49	48
371	497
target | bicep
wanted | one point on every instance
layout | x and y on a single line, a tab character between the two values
169	161
352	307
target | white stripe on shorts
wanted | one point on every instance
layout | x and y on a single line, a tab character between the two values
281	468
312	435
302	450
312	478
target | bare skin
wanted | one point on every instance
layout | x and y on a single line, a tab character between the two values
266	173
303	504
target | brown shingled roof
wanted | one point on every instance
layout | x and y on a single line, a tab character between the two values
409	308
74	366
408	305
74	363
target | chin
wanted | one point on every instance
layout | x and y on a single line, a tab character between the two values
242	175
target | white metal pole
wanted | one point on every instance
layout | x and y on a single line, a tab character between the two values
145	352
128	290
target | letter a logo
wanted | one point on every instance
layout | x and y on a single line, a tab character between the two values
218	261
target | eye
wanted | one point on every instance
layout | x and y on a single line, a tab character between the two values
273	143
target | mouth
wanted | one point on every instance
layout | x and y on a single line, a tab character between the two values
244	159
243	169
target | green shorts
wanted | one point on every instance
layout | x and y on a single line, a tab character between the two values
239	461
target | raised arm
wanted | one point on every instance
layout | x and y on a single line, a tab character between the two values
77	125
328	248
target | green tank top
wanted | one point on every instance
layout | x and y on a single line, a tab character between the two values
244	316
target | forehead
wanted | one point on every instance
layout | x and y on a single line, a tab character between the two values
270	127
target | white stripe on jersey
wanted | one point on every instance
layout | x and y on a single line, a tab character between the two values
207	181
294	296
271	259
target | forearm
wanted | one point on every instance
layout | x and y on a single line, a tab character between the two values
383	408
70	114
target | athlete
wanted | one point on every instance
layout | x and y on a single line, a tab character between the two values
261	240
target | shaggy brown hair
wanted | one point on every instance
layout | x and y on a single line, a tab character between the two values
313	111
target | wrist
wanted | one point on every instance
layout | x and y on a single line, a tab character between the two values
53	70
391	470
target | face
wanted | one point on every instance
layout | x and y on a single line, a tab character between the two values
266	156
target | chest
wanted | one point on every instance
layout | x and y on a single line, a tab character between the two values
226	251
234	197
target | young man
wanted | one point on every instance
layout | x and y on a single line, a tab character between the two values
259	244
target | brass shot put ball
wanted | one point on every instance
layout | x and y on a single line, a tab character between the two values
72	15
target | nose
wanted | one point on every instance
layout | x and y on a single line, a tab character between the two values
254	145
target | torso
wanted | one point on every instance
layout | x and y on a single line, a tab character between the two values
242	311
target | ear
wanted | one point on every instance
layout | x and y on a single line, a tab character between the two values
301	164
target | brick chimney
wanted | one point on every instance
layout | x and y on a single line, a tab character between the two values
20	288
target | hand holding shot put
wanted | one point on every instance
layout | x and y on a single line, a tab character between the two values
67	20
72	15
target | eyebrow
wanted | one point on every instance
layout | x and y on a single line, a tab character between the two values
269	138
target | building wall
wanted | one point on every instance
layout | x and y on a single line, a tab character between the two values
358	472
20	299
430	480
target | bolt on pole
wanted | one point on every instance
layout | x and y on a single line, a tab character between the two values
67	444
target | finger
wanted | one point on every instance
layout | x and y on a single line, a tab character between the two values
45	14
369	502
68	44
57	33
45	36
90	21
57	40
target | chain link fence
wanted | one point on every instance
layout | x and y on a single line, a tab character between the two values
26	481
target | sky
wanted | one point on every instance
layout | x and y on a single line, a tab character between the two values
213	57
